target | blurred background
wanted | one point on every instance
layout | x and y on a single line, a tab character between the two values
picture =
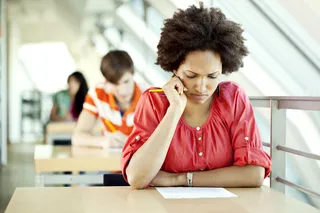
43	41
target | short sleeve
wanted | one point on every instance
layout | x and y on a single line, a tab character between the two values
245	136
145	122
89	103
54	98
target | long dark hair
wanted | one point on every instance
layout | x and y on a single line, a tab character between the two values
81	94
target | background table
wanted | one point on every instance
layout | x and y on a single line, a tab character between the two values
64	131
49	159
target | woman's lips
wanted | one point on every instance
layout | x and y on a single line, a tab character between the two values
199	96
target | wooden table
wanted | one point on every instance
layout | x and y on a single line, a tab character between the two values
63	131
49	159
59	131
125	199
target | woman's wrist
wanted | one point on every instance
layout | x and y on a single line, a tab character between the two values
174	112
181	179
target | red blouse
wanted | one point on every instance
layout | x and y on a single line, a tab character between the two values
229	137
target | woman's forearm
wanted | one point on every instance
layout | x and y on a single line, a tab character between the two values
148	159
82	133
232	176
54	115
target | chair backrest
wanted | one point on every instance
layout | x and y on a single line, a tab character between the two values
114	180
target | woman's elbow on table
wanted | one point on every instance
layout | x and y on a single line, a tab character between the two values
257	176
136	183
135	180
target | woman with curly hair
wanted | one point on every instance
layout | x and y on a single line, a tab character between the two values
198	131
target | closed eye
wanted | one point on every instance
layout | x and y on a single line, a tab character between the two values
213	77
191	76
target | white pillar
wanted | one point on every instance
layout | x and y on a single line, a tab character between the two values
278	137
3	83
13	84
19	80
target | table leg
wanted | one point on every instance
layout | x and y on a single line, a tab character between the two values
39	180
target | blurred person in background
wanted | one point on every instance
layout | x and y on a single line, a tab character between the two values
67	104
112	102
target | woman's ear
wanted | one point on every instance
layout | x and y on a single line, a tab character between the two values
174	72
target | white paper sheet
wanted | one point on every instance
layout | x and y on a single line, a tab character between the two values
194	192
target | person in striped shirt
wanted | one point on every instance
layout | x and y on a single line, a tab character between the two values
112	102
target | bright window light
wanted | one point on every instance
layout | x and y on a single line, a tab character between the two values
48	64
154	21
113	35
100	44
261	79
184	4
127	15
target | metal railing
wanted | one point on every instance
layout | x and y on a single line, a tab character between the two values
278	149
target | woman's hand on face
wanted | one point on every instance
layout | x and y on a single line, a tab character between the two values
174	91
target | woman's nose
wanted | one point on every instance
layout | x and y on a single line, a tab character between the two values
201	85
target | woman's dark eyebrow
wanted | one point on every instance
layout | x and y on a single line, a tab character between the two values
197	73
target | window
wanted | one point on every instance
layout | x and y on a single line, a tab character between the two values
48	65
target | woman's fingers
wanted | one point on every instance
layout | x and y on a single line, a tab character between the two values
179	85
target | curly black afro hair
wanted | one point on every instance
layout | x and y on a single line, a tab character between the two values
201	29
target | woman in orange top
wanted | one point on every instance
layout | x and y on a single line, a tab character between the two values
198	132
